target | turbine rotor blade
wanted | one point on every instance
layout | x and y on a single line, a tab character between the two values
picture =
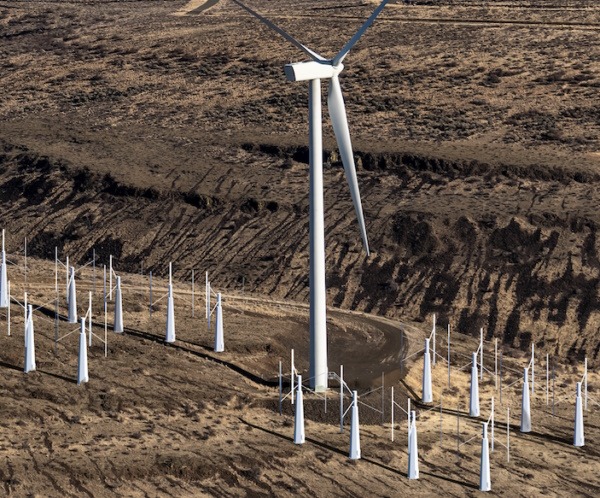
311	53
346	48
337	112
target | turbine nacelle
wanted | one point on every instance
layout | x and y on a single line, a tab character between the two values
312	70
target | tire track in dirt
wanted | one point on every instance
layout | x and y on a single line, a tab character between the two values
473	22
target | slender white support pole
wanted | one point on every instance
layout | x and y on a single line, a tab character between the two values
474	392
481	353
318	298
8	312
585	384
67	269
427	395
508	434
94	270
484	471
433	358
110	274
170	329
493	422
341	398
105	296
104	285
408	414
89	314
72	315
532	368
4	303
29	341
219	341
354	429
547	379
496	362
193	298
206	292
578	437
392	414
280	377
25	262
150	280
118	321
382	398
292	374
56	269
299	436
209	310
525	404
25	309
82	363
413	451
448	355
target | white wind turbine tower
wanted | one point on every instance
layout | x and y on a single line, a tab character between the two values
314	71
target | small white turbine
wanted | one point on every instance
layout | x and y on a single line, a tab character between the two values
427	396
219	342
525	404
82	362
484	469
29	342
413	451
578	437
474	393
313	71
3	278
299	414
170	329
354	429
72	315
118	322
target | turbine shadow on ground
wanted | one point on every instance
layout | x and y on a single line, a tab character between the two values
333	449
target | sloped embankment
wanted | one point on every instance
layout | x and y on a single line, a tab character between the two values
512	250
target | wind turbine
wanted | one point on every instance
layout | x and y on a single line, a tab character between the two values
314	71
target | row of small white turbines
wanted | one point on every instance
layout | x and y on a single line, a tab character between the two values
118	327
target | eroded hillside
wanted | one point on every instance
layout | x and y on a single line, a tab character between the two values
156	137
511	250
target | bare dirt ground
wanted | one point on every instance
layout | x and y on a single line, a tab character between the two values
154	137
180	420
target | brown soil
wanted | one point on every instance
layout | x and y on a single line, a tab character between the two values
157	137
180	420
